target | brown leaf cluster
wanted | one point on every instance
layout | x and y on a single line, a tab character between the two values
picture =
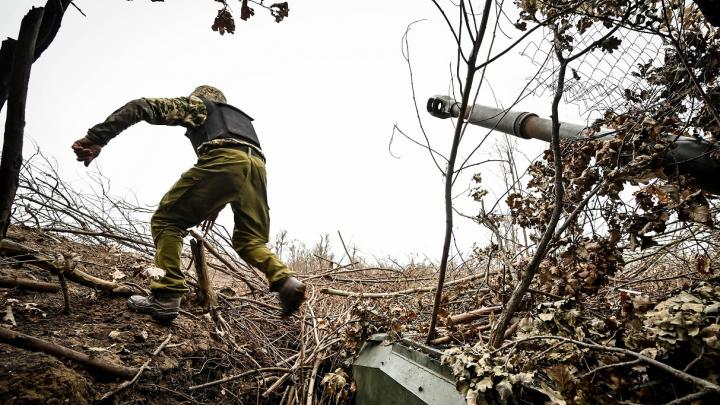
279	11
675	330
224	22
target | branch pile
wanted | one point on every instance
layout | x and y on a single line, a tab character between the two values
237	348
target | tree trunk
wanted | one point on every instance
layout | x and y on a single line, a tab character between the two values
15	124
54	12
7	50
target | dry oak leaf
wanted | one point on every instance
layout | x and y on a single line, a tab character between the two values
245	11
279	11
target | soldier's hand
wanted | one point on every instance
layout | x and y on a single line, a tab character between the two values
86	150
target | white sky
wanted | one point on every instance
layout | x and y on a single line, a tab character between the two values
325	87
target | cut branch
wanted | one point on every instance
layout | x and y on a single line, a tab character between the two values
238	376
706	385
397	293
468	317
140	371
223	260
206	294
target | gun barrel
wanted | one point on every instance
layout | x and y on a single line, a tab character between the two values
688	156
521	124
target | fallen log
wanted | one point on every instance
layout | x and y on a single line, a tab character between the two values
28	284
21	252
34	344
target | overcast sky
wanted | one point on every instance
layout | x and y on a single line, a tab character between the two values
325	87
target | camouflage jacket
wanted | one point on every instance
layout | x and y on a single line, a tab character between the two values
188	112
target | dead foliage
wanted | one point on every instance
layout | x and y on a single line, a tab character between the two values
238	350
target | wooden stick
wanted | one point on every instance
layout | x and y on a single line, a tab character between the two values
512	329
379	280
235	377
291	398
28	284
441	340
299	363
448	338
705	384
281	380
66	295
613	365
256	302
689	398
282	400
311	382
397	293
142	368
31	343
207	295
468	317
67	266
223	260
347	252
338	270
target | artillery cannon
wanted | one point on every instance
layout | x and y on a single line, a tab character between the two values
686	156
403	372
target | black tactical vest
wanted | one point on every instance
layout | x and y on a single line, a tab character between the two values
223	121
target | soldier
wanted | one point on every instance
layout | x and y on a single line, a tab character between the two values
230	169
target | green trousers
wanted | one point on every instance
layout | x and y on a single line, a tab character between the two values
221	175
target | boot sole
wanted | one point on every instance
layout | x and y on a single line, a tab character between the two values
163	316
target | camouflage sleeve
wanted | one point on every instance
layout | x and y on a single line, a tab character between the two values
188	112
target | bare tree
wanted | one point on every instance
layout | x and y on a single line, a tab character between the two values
37	31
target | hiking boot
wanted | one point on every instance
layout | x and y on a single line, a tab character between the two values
292	294
162	307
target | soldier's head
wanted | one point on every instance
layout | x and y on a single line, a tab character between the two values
210	93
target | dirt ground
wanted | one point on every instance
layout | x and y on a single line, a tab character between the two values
100	325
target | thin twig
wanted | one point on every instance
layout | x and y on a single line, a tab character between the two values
78	9
142	369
